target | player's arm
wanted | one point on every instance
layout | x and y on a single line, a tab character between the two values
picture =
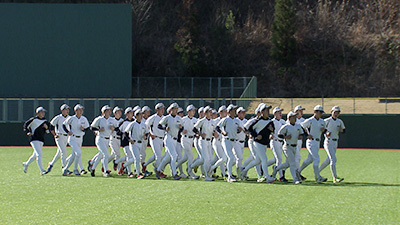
95	126
162	125
342	127
27	127
306	125
67	126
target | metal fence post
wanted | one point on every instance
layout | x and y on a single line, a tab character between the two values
5	116
291	103
112	103
386	105
20	110
51	108
354	105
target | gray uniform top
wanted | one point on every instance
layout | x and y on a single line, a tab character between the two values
205	126
241	136
293	130
136	130
230	126
188	124
57	122
100	122
277	124
333	126
173	123
314	126
152	124
74	123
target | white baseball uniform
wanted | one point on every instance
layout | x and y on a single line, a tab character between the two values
331	142
170	142
102	140
276	144
220	157
238	147
290	148
136	133
187	140
299	142
61	140
73	124
315	128
156	143
250	142
125	143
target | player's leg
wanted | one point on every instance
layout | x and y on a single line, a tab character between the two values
290	153
128	156
326	162
171	145
315	157
309	158
298	155
238	152
179	153
37	148
228	145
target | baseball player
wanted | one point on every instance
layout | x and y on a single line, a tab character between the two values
103	128
60	136
125	141
260	131
276	142
196	142
250	142
299	119
241	136
229	127
75	126
314	127
115	140
291	133
179	149
205	129
156	136
220	157
188	123
172	124
334	126
36	127
146	114
137	132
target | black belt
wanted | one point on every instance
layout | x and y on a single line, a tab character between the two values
174	138
106	137
206	139
77	136
116	137
293	145
333	139
241	141
232	139
278	140
137	141
62	134
316	139
159	137
188	136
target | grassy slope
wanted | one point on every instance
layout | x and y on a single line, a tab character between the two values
369	194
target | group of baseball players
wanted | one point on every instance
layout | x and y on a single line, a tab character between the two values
217	135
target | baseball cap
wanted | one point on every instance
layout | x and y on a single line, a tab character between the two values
222	108
173	105
39	109
290	114
127	110
299	107
207	108
146	108
240	109
231	107
214	111
64	106
277	109
116	108
258	108
135	108
104	108
201	109
78	106
159	105
319	108
335	108
265	106
137	112
180	110
190	107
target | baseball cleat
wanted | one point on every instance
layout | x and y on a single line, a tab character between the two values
121	170
209	179
183	175
297	182
102	169
141	176
66	172
215	176
162	175
43	172
132	175
83	172
92	173
76	172
298	174
25	167
115	165
147	173
89	167
283	180
158	175
231	179
107	174
49	168
274	171
261	179
177	177
338	180
143	168
271	180
321	179
195	169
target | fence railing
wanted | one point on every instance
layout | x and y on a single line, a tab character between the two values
189	87
20	109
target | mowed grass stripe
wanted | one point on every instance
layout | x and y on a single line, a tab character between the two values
369	194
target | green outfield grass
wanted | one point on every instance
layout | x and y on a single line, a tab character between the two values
370	194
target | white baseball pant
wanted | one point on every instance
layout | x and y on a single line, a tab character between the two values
330	147
61	143
290	154
238	149
170	156
187	145
135	156
76	154
37	154
157	147
261	158
220	157
251	157
313	157
276	147
228	148
205	156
